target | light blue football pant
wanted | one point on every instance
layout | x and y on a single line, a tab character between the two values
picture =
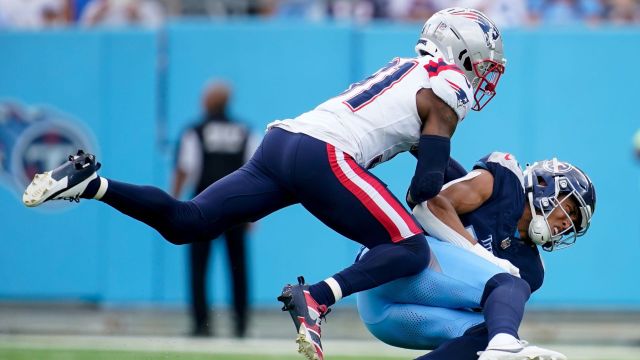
436	305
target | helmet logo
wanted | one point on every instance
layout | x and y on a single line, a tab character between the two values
438	32
460	94
559	168
489	29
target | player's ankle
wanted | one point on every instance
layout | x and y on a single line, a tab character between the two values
95	189
321	293
502	339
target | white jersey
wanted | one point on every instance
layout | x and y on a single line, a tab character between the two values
377	118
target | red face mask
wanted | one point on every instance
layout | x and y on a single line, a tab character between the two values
488	81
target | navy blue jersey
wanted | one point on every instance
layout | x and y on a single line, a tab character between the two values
494	223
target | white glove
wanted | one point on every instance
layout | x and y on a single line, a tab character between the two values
502	263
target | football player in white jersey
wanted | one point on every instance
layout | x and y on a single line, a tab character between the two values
321	160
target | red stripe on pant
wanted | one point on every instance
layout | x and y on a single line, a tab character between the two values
386	195
365	199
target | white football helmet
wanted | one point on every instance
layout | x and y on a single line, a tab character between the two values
469	39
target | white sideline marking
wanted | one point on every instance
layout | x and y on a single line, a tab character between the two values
190	345
269	347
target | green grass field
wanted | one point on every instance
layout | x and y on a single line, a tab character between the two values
48	354
57	354
63	347
62	354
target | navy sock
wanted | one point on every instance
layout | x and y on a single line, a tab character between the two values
384	263
465	347
503	300
322	293
92	189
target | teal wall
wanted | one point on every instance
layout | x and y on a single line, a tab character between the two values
566	93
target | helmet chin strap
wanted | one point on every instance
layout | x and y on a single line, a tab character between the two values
539	231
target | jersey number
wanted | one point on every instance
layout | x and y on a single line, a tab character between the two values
376	84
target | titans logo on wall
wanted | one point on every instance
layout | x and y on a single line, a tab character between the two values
34	140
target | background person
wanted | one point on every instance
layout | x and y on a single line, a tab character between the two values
208	151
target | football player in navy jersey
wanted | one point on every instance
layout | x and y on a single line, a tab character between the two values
485	228
321	159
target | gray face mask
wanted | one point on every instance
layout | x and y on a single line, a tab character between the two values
559	189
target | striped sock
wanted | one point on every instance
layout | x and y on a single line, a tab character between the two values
322	293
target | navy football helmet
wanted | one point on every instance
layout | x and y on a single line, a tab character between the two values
548	183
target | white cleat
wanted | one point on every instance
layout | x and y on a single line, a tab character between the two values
520	351
66	182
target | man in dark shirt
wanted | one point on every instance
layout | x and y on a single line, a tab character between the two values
208	151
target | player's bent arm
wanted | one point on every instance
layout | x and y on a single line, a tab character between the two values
469	192
440	215
439	122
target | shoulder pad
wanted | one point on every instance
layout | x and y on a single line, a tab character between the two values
450	84
505	160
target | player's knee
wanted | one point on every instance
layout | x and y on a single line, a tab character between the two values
176	239
182	235
417	255
177	234
506	281
185	225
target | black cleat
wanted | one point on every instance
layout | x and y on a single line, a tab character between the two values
307	316
66	182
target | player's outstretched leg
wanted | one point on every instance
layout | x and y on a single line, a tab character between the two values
519	351
67	182
307	316
247	194
503	301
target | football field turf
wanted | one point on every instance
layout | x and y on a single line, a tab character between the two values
75	347
47	354
62	354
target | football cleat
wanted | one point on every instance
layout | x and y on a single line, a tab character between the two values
307	316
66	182
520	351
